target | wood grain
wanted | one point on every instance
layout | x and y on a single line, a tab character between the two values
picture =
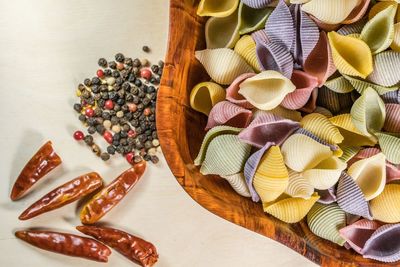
181	131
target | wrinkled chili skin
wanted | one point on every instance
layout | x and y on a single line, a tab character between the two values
64	194
112	194
45	160
132	247
67	244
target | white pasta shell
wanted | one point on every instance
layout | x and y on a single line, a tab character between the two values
330	11
298	186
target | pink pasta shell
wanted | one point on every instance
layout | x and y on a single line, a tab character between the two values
227	113
232	92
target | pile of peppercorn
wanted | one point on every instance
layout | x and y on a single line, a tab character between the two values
119	103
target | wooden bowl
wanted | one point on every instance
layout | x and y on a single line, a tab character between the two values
181	131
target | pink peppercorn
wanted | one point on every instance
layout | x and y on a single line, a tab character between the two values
147	111
131	133
100	73
129	157
78	135
109	104
108	137
145	74
89	112
132	107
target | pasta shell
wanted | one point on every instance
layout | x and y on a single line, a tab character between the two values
357	12
271	177
222	32
352	136
326	220
349	153
290	210
379	7
321	126
226	161
252	19
306	35
326	173
232	92
351	56
384	244
305	84
266	90
316	138
353	28
358	233
320	62
246	48
205	95
238	183
257	3
330	11
272	56
333	101
361	86
386	206
302	152
364	154
211	134
350	197
339	85
390	146
217	8
391	97
378	33
323	111
226	113
392	122
298	186
280	27
251	167
299	1
268	127
396	38
327	196
384	74
325	26
286	113
223	64
370	175
368	112
311	104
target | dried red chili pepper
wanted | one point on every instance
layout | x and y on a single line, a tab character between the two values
112	194
67	244
64	194
132	247
40	164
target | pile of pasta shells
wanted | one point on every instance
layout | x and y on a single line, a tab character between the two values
303	113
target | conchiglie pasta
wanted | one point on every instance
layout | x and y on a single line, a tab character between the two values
217	8
252	19
298	186
386	206
390	146
330	11
246	48
205	95
321	126
222	32
238	183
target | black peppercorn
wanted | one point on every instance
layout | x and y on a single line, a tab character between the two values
154	159
136	62
100	129
87	82
126	127
138	82
115	74
114	120
91	121
107	72
112	95
85	94
131	78
148	144
153	96
81	87
104	95
115	143
90	101
119	57
111	150
119	80
129	97
153	80
140	106
161	64
146	49
141	94
134	122
113	113
116	136
117	107
97	97
91	130
128	61
150	89
147	157
120	149
106	115
126	86
88	140
105	156
125	108
112	65
123	134
82	118
123	141
136	100
102	62
160	72
146	101
154	134
134	90
155	68
78	107
96	81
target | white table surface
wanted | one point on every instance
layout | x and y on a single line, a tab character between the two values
46	48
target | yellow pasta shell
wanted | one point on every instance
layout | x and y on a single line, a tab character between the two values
214	8
378	7
284	113
246	48
330	11
271	177
298	186
396	38
351	56
302	152
322	127
205	95
325	174
352	136
290	210
386	206
370	175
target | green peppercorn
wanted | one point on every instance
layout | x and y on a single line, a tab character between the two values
119	57
88	140
102	62
105	156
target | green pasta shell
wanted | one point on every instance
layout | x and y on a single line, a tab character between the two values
226	155
222	32
368	112
349	152
378	33
211	134
339	85
251	19
390	146
361	86
326	220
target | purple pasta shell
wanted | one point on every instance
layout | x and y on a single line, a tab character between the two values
327	196
391	97
257	4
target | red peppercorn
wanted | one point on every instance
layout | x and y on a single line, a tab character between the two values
78	135
131	133
89	112
145	74
129	157
109	104
108	137
132	107
147	111
100	73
